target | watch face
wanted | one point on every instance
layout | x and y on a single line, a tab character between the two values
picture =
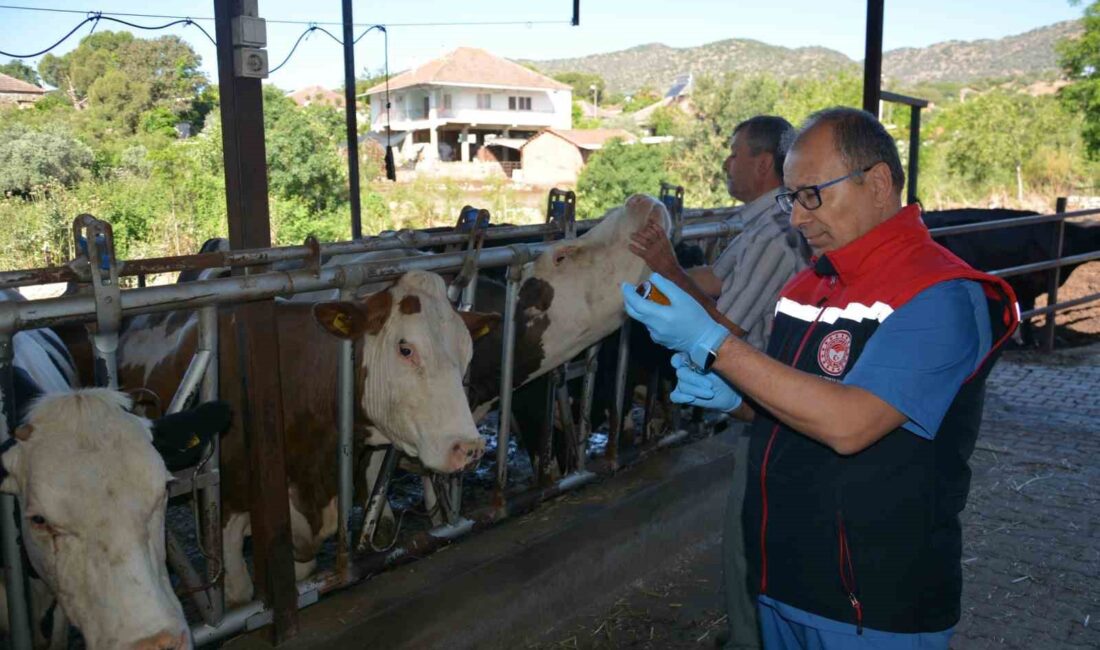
711	357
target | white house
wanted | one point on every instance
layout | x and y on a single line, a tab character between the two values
469	104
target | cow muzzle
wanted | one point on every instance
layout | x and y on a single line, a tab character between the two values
465	454
164	641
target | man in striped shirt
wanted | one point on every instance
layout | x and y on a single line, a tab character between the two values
745	281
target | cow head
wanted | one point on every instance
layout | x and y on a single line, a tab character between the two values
415	349
574	285
92	491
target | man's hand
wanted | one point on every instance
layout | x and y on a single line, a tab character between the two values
707	390
683	326
652	245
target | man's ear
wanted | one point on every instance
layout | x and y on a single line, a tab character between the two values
882	184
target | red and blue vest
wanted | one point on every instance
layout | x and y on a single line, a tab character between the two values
873	538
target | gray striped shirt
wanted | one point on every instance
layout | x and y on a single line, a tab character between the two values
756	265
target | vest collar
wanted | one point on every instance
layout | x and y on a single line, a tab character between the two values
871	250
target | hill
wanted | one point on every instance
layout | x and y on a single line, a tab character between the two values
1028	55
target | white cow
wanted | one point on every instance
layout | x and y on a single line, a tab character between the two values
92	490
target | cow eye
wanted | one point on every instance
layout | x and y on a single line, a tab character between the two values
405	349
38	520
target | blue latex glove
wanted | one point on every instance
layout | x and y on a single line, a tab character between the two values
707	390
682	326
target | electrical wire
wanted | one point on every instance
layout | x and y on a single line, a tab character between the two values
336	23
307	32
94	18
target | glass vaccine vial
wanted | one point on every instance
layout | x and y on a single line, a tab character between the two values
652	293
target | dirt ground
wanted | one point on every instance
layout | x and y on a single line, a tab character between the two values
1031	540
1078	325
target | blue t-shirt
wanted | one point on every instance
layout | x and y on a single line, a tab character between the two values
916	361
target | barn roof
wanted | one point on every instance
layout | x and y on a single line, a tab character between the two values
12	85
590	139
471	66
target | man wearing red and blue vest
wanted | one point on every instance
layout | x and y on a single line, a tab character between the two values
865	408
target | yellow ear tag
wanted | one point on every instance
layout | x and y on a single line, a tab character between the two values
340	324
194	441
482	332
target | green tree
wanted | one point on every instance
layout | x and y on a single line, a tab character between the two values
582	83
1080	59
644	96
30	158
617	171
720	104
988	141
303	158
166	69
16	68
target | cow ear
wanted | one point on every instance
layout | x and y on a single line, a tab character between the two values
10	453
181	437
343	319
479	324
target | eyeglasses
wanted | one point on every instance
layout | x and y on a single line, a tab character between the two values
809	197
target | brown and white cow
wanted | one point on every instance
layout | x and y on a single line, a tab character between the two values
569	299
411	352
92	489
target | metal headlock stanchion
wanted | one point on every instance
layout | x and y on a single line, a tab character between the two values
206	296
15	575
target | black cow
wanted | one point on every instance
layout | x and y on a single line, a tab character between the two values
1007	247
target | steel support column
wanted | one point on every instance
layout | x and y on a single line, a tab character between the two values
872	57
352	123
256	332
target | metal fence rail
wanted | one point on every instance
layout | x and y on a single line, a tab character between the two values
207	295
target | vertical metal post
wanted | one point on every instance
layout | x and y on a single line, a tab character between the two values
914	153
14	575
352	124
617	413
257	338
210	497
345	401
506	359
588	389
105	289
872	57
1054	276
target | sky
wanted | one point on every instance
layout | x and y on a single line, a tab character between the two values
605	25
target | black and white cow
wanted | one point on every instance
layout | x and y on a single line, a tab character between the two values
91	483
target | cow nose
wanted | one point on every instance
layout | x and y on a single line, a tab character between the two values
163	641
465	454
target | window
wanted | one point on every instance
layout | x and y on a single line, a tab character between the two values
446	102
484	101
519	103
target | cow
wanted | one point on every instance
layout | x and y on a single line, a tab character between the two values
569	299
411	352
1007	247
91	481
646	360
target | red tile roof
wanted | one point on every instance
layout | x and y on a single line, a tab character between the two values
590	138
13	85
473	66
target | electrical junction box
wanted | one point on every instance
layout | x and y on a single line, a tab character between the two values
250	63
249	31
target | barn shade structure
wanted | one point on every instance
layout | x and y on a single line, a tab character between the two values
251	255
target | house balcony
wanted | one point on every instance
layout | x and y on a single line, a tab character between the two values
402	120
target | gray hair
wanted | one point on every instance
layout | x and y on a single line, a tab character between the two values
860	139
768	133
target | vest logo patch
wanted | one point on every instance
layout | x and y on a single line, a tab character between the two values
833	353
